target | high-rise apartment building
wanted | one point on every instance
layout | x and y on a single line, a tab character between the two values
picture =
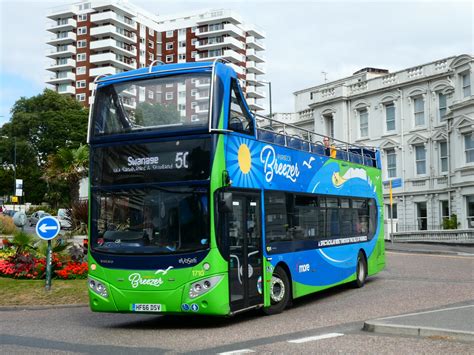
422	119
101	37
205	36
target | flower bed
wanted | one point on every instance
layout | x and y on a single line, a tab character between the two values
27	261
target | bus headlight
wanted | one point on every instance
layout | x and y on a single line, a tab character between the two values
98	288
201	287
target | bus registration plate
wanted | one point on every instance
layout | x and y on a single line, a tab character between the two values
146	307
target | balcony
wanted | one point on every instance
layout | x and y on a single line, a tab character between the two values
62	64
202	95
252	79
108	70
254	43
66	89
62	78
229	42
203	83
228	54
61	12
111	17
62	51
255	31
202	108
252	67
254	93
254	55
216	30
129	103
130	91
112	58
62	25
116	46
62	38
111	30
254	105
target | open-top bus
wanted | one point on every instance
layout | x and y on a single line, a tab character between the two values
199	206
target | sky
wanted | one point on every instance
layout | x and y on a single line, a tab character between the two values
303	39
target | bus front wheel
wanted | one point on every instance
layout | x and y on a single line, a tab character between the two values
279	292
361	271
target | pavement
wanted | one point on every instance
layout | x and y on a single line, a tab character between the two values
431	248
453	321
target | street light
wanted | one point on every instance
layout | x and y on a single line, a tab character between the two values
269	83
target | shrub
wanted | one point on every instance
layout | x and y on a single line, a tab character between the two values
450	223
46	209
23	241
6	225
80	216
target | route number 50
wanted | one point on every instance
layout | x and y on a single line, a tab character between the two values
181	160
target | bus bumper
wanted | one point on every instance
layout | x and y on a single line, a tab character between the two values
213	302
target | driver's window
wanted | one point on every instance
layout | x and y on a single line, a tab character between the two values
239	118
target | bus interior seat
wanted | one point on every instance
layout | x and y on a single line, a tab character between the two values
279	139
305	146
294	143
341	154
318	148
266	136
236	124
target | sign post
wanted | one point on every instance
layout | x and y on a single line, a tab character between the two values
48	228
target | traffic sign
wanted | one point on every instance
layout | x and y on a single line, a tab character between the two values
48	228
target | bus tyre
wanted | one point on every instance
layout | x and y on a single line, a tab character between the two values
361	271
279	292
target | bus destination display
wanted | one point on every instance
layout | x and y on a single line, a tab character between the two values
152	162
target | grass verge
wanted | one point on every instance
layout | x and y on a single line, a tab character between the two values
32	292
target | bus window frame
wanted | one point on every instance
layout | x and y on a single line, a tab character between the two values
246	110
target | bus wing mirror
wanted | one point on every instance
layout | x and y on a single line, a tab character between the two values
225	202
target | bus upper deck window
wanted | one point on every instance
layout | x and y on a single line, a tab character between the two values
240	119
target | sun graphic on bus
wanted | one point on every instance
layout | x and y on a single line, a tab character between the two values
244	158
243	162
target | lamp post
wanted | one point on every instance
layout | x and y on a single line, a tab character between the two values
269	83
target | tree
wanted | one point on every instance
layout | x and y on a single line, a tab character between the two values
69	165
40	125
147	114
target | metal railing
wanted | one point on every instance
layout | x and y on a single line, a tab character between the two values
289	135
444	236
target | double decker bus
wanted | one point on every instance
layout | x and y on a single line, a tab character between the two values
198	206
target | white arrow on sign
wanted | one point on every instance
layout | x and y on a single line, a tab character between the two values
43	228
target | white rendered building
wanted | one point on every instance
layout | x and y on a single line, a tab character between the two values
422	118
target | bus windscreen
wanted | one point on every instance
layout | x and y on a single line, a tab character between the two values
150	221
178	102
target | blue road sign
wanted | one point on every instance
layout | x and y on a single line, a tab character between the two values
48	228
398	182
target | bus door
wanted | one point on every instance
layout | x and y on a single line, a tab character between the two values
245	251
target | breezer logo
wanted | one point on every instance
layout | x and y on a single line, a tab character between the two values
303	268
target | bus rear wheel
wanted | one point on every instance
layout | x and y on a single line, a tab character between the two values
279	292
361	271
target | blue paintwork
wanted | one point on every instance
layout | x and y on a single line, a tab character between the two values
311	174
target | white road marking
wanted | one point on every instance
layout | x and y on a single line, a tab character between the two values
316	337
235	352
